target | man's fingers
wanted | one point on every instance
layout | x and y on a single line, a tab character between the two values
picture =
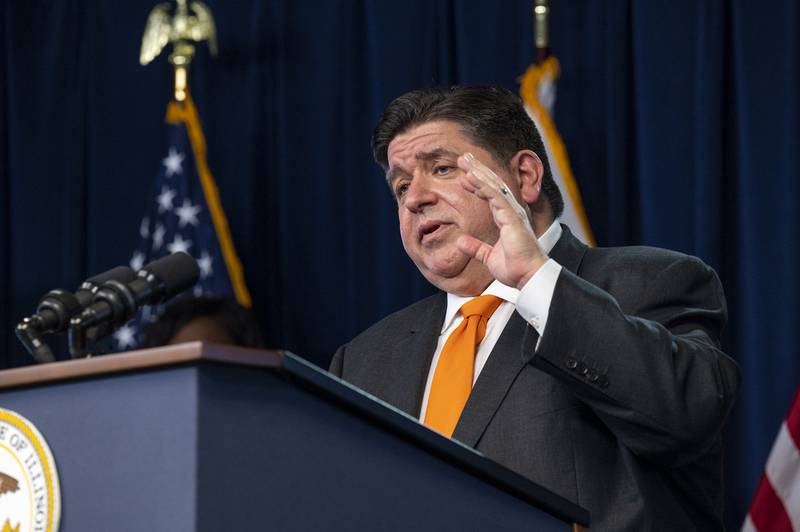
484	183
471	246
483	173
478	187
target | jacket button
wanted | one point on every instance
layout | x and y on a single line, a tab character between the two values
602	381
592	375
572	362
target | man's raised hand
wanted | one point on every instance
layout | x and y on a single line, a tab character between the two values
516	255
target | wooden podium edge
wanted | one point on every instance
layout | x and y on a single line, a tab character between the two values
137	360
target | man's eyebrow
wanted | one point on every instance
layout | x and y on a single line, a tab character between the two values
432	155
437	153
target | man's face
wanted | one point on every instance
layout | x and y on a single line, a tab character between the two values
434	209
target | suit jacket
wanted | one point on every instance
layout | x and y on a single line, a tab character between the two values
620	407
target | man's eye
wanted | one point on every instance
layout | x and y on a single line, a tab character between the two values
400	189
442	170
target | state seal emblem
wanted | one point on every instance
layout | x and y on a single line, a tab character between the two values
30	498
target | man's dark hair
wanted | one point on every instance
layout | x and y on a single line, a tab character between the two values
237	322
492	117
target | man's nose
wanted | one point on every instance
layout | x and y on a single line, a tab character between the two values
419	194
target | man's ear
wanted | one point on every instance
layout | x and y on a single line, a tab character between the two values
529	170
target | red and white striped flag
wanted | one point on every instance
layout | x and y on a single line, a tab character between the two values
776	506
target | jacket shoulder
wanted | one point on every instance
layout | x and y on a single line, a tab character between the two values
637	276
642	262
410	318
640	255
423	316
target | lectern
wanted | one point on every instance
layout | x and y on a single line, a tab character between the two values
200	437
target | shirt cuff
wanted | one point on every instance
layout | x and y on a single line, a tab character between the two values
533	303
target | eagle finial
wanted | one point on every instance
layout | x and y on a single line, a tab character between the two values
194	23
156	33
187	26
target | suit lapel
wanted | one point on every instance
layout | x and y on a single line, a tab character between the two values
409	360
497	376
508	356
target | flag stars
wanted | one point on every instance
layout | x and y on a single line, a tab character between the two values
125	337
146	313
137	261
187	213
205	264
179	244
149	314
164	199
158	237
172	162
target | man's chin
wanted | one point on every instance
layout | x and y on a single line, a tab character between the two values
468	279
449	267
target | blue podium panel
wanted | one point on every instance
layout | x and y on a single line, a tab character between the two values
125	448
212	446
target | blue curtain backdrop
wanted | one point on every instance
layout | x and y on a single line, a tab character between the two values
681	118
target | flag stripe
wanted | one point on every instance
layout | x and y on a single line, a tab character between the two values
776	505
793	419
748	525
767	512
188	115
529	92
783	472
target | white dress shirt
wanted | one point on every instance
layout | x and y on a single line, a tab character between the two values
532	303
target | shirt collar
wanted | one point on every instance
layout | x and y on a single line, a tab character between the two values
550	237
547	241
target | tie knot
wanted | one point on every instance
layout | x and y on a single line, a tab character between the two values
481	306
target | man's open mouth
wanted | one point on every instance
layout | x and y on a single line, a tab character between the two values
432	229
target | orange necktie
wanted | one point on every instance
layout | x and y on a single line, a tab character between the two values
452	379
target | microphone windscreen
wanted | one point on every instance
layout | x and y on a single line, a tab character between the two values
123	274
87	289
176	272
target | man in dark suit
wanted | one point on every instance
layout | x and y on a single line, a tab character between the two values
594	372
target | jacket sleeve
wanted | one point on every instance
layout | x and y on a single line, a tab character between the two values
337	362
655	375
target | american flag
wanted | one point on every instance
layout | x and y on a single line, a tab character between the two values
184	214
776	505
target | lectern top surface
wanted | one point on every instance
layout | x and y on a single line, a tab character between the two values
136	360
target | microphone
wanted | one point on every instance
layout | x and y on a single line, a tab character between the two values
57	307
117	302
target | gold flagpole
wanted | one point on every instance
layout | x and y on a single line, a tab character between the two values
541	11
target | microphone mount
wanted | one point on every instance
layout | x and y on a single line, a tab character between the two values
57	307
